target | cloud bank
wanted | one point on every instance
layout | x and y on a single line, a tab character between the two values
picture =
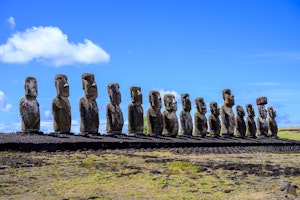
11	22
51	46
4	106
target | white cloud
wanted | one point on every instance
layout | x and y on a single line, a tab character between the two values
48	114
163	92
4	106
50	45
11	22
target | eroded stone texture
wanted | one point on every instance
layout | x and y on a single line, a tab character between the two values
154	116
29	107
250	122
261	121
114	115
89	113
272	122
200	118
170	120
186	120
61	109
227	115
135	112
213	120
240	129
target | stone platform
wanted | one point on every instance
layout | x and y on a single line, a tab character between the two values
51	143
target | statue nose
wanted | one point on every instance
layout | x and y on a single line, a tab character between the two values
66	85
94	84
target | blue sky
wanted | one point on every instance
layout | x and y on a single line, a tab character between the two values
196	47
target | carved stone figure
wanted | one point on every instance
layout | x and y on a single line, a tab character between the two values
272	122
250	122
88	106
170	120
227	115
61	109
154	116
135	112
186	120
114	115
261	121
29	107
213	120
240	129
200	118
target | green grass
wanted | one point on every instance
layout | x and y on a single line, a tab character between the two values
289	133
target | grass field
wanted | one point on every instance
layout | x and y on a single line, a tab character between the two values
292	133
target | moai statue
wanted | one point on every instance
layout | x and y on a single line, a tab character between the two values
213	120
61	109
135	112
200	118
261	121
186	120
240	129
29	107
114	115
170	120
227	115
250	122
272	122
154	116
89	113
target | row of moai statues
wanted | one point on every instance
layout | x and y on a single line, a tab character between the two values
159	123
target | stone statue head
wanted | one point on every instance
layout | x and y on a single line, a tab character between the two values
170	102
250	110
89	85
214	108
31	87
201	106
186	102
155	99
228	97
114	93
262	111
240	111
62	86
136	95
272	112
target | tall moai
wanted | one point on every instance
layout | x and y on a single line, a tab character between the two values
227	115
61	109
135	112
170	120
272	122
261	121
200	119
29	107
240	129
114	114
154	116
89	113
214	120
186	120
250	122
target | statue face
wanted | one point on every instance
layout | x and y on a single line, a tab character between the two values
228	97
136	95
186	102
31	87
89	86
250	110
201	106
170	102
240	111
155	99
62	86
114	93
214	109
272	112
262	111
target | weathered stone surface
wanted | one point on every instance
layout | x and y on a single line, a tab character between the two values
89	113
272	122
240	129
227	115
250	122
261	121
170	120
200	118
29	107
154	116
114	114
135	112
61	109
214	121
186	120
